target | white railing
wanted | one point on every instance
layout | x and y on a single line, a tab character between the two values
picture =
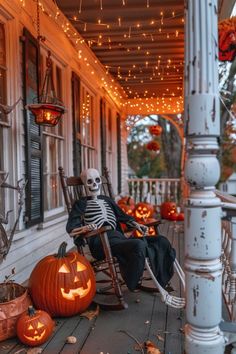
228	255
153	190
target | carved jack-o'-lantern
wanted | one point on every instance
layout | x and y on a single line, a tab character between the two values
35	327
62	284
151	229
143	211
128	209
167	209
155	130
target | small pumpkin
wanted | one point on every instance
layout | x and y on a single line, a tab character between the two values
128	209
173	216
153	146
180	217
62	284
168	208
34	327
126	200
143	211
155	130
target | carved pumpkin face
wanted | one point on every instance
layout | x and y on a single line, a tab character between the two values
128	209
143	211
35	327
63	284
168	208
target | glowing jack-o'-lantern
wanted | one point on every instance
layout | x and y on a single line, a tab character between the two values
35	327
143	211
128	209
151	229
126	201
62	284
167	209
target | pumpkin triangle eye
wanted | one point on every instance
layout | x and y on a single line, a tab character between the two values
64	269
30	327
40	325
81	267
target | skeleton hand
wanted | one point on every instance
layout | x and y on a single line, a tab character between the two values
140	227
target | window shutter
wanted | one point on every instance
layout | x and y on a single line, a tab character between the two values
118	131
76	124
103	134
33	133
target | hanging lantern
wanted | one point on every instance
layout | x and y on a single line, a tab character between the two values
48	109
227	39
153	146
155	130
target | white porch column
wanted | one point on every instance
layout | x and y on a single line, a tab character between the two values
202	209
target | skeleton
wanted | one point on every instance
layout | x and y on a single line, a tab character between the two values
98	211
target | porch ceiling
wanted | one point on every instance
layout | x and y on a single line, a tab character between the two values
140	42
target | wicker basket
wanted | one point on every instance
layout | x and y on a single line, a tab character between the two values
14	301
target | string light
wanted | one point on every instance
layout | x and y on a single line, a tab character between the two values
80	6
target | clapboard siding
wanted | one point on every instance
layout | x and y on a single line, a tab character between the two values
26	252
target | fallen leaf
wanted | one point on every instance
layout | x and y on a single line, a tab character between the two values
160	338
151	348
90	314
34	350
146	322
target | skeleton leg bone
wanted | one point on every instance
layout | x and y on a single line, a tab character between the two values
180	272
173	301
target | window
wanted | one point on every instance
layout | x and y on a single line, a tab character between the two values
87	129
53	143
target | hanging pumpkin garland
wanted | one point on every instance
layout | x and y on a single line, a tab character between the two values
227	39
155	130
153	146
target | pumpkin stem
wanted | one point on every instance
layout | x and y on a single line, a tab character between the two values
31	311
62	250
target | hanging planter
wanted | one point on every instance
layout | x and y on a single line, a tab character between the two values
48	109
155	130
227	39
153	146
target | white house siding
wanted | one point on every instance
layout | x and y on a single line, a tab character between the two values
30	245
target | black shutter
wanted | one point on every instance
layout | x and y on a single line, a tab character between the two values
33	134
118	132
103	133
76	124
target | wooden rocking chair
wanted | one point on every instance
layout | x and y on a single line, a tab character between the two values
73	189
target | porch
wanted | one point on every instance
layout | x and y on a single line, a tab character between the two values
122	332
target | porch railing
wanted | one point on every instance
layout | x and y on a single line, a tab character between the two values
228	255
153	190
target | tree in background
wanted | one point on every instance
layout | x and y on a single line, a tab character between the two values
151	164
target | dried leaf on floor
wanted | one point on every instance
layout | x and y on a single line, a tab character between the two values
90	314
147	322
160	338
34	350
151	348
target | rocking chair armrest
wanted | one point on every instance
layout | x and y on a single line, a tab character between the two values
89	234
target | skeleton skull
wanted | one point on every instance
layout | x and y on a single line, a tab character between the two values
92	181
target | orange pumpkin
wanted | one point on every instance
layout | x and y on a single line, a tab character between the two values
155	130
173	216
128	209
34	327
180	217
151	229
153	146
168	208
126	200
143	211
62	284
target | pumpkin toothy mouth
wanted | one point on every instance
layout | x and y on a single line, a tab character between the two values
36	337
72	293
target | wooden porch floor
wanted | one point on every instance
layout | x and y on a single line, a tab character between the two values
116	332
